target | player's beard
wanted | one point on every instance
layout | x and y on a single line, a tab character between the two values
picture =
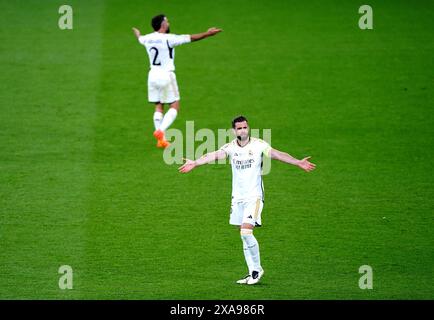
168	30
240	138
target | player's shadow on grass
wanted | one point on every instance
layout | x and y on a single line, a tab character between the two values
259	284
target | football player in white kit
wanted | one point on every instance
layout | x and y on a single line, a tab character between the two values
245	154
162	85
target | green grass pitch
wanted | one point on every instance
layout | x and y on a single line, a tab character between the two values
82	184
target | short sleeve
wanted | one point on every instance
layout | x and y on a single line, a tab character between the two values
266	148
176	40
142	40
227	149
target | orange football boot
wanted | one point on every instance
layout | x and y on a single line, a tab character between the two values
163	144
158	134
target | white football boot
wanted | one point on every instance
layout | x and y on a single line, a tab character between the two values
244	280
256	276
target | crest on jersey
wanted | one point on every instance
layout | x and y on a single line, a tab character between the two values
251	153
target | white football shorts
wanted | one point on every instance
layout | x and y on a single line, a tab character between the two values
248	211
162	86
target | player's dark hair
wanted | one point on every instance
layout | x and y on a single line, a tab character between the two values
238	119
157	21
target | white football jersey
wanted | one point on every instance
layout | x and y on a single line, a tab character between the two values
246	165
161	48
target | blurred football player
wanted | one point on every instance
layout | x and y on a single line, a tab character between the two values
162	85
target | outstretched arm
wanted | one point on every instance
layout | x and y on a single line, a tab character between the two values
284	157
203	35
136	32
209	157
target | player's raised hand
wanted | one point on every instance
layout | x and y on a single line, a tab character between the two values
213	31
136	32
306	165
187	166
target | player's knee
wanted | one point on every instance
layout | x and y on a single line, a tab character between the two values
246	225
159	108
244	232
175	105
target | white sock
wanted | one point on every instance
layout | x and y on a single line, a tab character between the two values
252	258
168	119
158	116
247	256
